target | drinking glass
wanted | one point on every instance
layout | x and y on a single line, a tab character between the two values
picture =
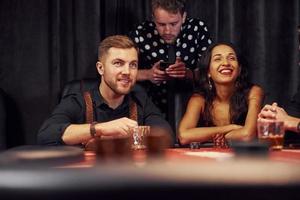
271	132
139	134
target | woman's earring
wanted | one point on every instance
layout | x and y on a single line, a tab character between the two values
209	84
237	84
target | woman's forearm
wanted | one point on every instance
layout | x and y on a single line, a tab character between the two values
201	134
241	134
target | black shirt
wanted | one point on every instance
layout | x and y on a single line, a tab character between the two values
71	110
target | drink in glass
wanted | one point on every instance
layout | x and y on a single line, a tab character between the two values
139	134
271	132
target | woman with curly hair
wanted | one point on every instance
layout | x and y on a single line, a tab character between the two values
226	105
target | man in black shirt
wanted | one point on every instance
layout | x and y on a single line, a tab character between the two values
118	66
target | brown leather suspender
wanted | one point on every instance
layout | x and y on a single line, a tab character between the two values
89	114
133	110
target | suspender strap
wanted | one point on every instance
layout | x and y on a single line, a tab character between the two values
89	114
132	110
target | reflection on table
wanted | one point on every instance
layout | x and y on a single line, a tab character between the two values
139	157
177	173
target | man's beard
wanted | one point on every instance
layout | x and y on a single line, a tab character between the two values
169	40
114	87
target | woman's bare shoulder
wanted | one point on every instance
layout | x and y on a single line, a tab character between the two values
196	103
256	92
197	99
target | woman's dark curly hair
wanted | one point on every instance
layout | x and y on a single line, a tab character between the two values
238	102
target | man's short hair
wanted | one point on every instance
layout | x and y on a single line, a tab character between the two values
172	6
116	41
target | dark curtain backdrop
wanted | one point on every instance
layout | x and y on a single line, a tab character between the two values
45	43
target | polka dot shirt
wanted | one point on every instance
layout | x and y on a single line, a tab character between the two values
192	41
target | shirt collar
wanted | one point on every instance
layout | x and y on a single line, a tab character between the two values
100	101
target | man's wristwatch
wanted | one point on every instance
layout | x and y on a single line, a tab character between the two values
93	129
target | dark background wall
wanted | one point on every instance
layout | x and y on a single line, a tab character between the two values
45	43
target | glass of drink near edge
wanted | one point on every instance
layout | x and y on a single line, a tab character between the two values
271	132
139	134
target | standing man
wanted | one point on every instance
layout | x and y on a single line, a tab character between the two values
118	67
174	38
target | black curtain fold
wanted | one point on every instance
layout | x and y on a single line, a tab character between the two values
46	43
